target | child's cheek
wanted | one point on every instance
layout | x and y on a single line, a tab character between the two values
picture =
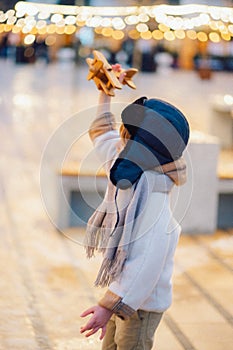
119	146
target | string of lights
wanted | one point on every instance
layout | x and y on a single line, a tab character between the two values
159	22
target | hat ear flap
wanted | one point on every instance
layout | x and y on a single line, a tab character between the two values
126	170
124	173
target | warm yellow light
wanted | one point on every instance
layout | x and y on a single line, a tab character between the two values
223	28
118	35
224	15
214	37
20	22
3	17
80	24
146	35
213	25
31	10
57	17
107	31
15	30
160	12
180	34
60	30
134	34
26	8
204	18
143	17
226	36
118	23
130	20
160	17
61	23
163	28
50	40
175	23
70	20
8	27
51	29
41	24
82	17
157	34
29	39
191	34
12	20
170	18
10	13
19	14
224	31
30	21
169	36
215	13
1	28
34	31
106	22
230	28
94	21
44	15
98	30
70	29
189	24
142	27
42	30
26	29
21	6
201	36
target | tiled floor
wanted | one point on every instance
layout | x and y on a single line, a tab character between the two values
46	280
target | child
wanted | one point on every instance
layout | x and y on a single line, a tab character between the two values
134	226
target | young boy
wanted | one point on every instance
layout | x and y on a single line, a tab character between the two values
134	226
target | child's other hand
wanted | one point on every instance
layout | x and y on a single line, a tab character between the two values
100	318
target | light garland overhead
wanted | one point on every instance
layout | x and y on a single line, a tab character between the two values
159	21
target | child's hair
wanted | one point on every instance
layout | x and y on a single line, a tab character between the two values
125	135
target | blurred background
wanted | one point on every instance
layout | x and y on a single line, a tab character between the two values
199	41
50	181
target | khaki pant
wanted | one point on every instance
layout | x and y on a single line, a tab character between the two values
137	333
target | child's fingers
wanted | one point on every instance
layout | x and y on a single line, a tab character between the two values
103	332
116	67
89	311
93	331
90	325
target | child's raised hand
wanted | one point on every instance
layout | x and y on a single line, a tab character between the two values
99	320
117	68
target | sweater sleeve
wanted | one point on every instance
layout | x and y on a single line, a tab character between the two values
105	137
103	123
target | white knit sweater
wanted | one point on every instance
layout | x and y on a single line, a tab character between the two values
146	280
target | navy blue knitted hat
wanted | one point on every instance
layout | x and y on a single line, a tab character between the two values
159	134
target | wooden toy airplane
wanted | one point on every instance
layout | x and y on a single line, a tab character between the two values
105	77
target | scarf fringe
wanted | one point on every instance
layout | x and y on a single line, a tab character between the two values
94	240
111	269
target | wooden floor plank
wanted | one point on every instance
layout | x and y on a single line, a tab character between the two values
202	269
